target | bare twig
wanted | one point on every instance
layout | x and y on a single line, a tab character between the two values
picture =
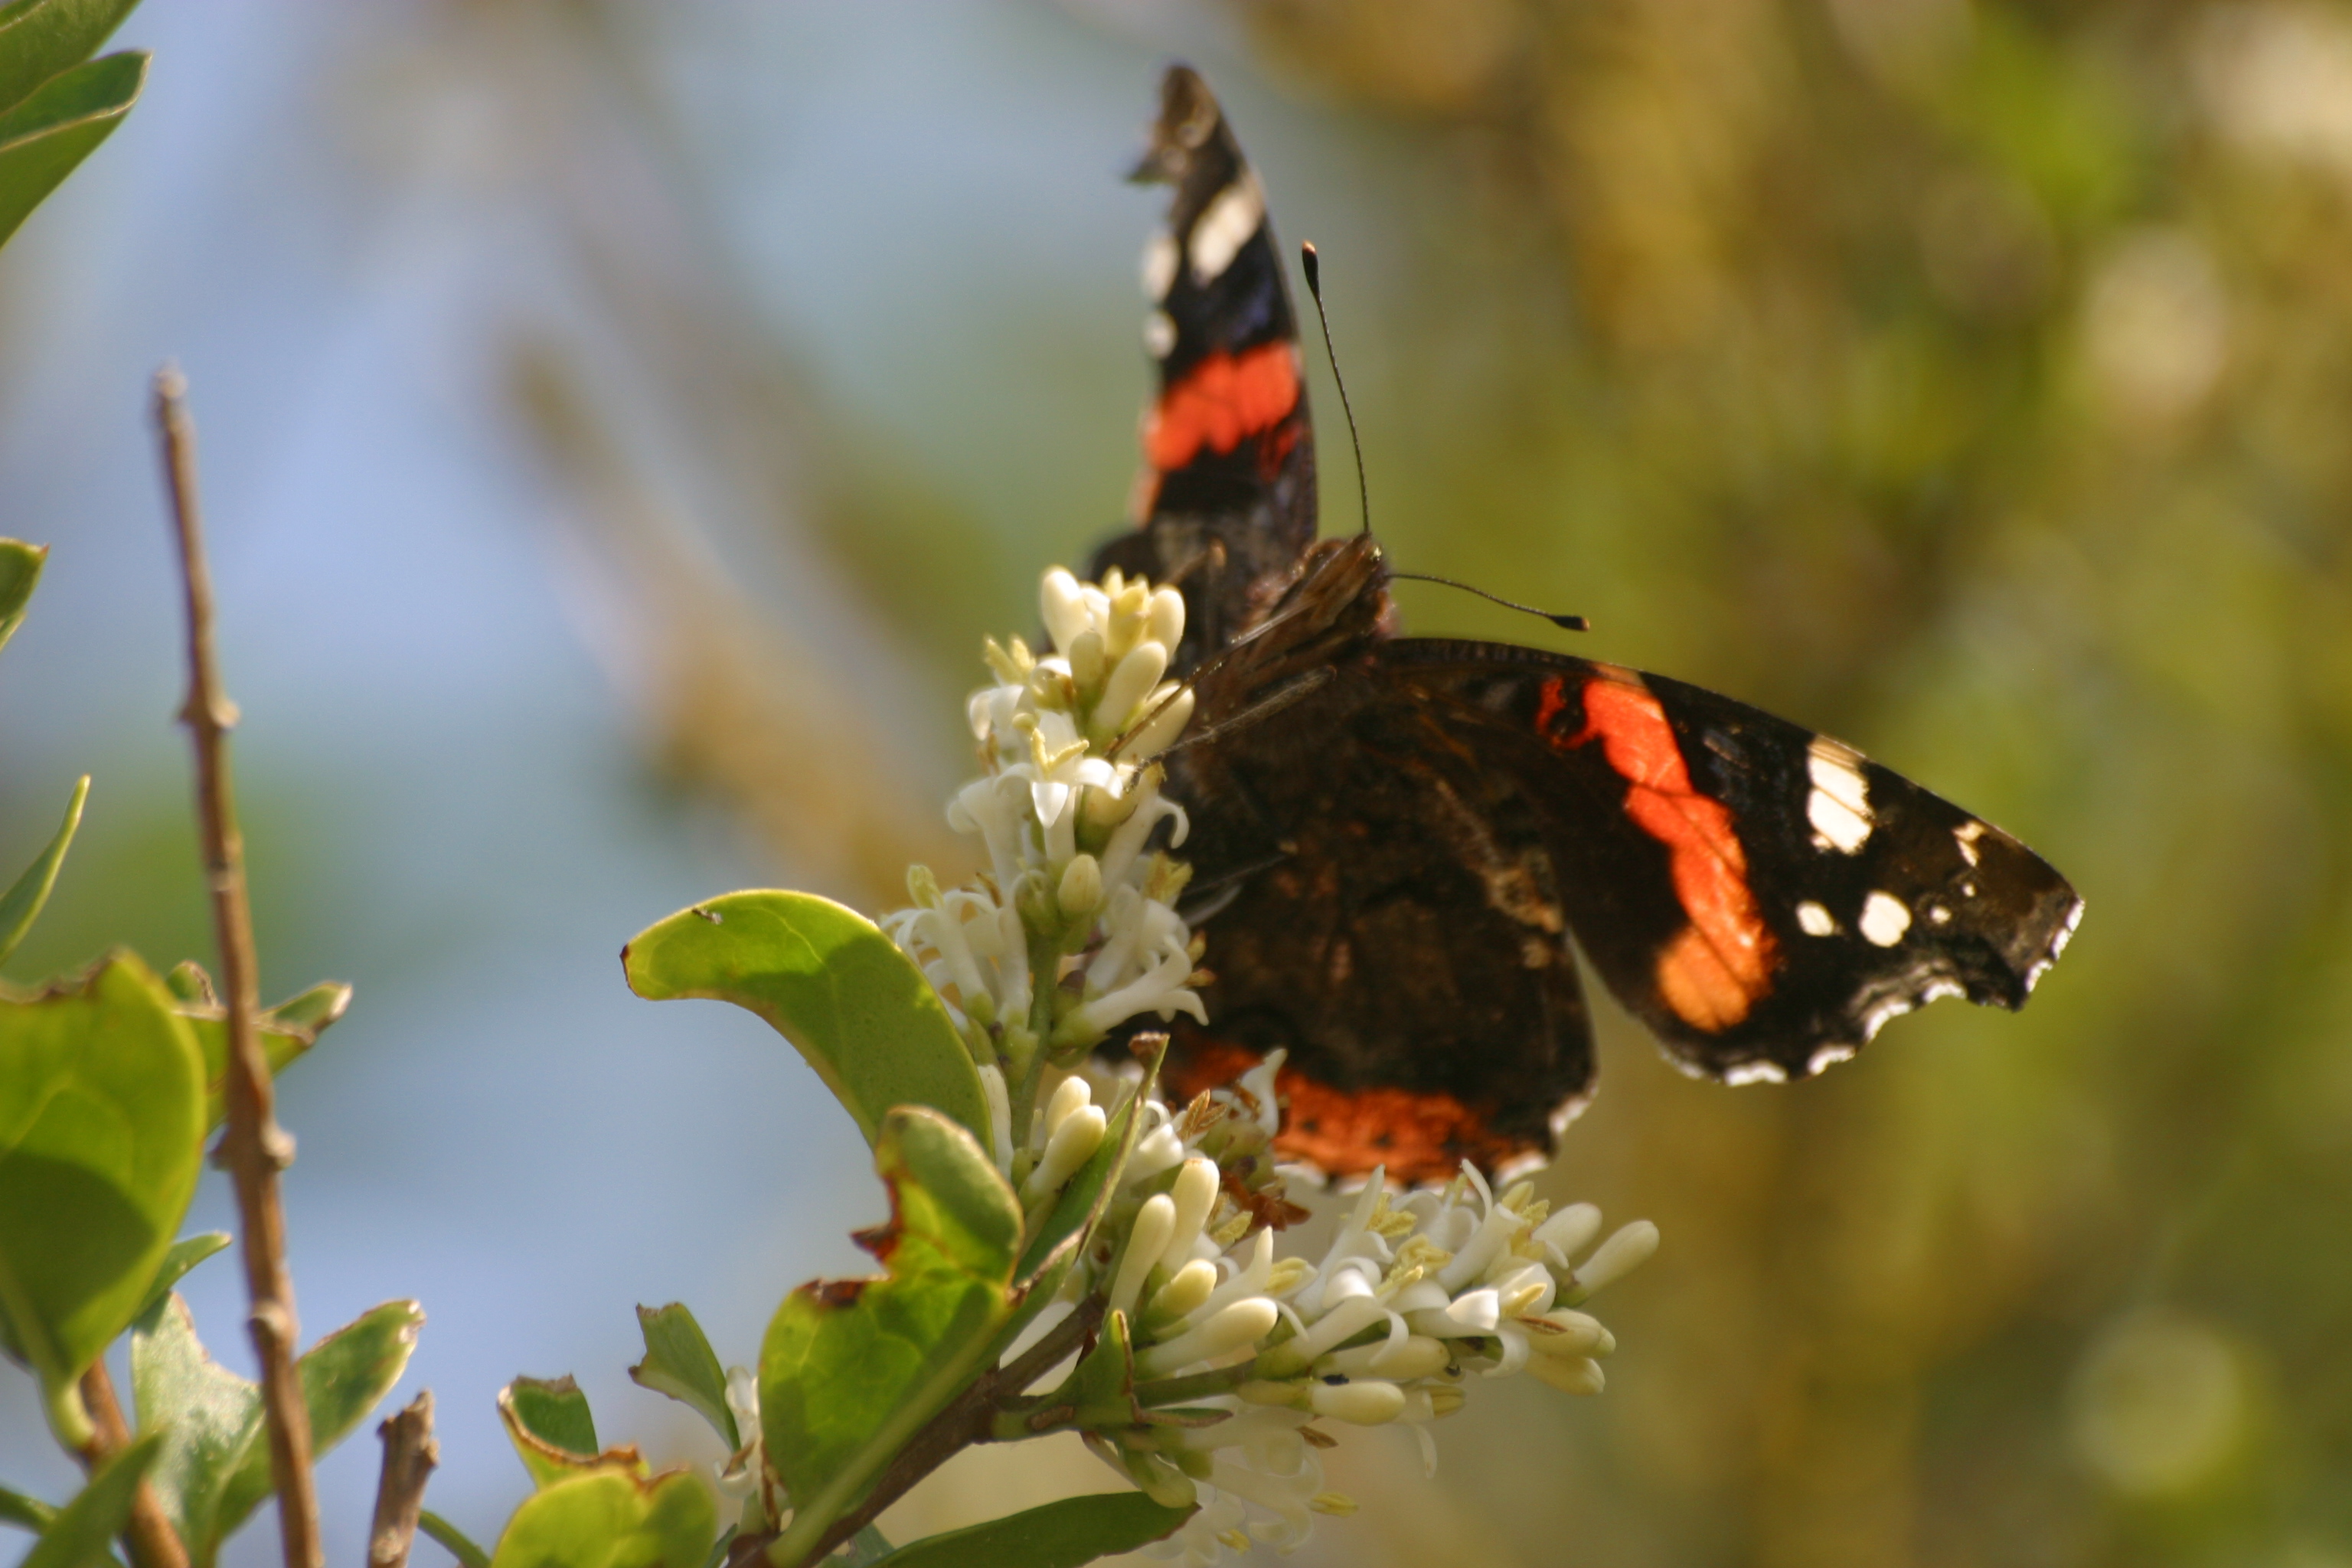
255	1147
153	1542
409	1455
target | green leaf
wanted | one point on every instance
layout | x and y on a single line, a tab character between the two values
30	1512
60	124
610	1518
21	904
826	979
452	1540
20	569
288	1030
344	1376
548	1422
215	1465
185	1255
850	1369
101	1133
864	1549
1058	1535
208	1417
40	38
680	1362
83	1532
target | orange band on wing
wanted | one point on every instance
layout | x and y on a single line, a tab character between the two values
1721	966
1418	1135
1223	398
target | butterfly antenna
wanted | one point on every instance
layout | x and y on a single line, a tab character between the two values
1314	265
1564	623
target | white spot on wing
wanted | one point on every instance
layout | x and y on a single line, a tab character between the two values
2057	946
1221	230
1815	920
1158	334
1884	920
1756	1072
1966	835
1828	1056
1939	914
1839	806
1158	266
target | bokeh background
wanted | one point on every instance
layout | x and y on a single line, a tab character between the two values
622	422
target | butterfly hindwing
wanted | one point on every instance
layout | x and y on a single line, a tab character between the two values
1395	924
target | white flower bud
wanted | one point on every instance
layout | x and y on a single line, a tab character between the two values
1146	1240
1618	1257
1087	660
1194	1194
1000	1117
1232	1329
1564	1332
1165	622
1061	605
1367	1402
1081	892
1170	709
1406	1357
1069	1095
1571	1230
1570	1374
1184	1292
1072	1144
1138	673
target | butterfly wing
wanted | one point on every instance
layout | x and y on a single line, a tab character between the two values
1225	501
1394	922
1761	896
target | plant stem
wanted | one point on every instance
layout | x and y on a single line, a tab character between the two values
965	1421
149	1534
410	1456
255	1148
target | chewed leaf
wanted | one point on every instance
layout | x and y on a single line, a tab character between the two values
21	904
548	1422
101	1130
610	1518
851	1368
680	1362
1059	1535
826	979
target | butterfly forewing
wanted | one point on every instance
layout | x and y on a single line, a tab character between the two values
1763	897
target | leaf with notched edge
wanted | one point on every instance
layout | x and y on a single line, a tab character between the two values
851	1368
609	1518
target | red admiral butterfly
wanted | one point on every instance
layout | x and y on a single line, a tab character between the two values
1393	838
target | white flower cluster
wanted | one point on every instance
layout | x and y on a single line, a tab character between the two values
1412	1295
1073	929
